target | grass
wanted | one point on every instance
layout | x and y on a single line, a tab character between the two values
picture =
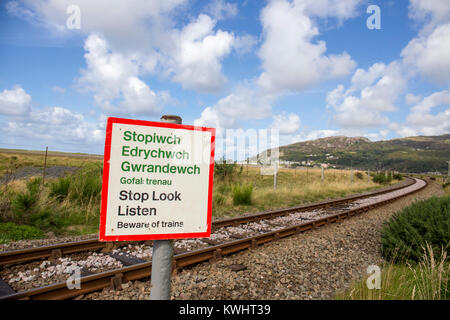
407	231
71	204
242	194
426	280
294	187
65	206
12	232
13	159
416	243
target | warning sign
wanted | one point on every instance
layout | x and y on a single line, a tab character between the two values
157	181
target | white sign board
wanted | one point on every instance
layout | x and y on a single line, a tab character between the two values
157	181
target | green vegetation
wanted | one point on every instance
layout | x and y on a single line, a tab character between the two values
226	171
381	178
426	280
416	243
10	160
66	205
12	232
71	204
413	154
294	187
242	194
406	233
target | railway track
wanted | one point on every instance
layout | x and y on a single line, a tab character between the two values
132	262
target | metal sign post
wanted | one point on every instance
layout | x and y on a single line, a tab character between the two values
143	160
162	254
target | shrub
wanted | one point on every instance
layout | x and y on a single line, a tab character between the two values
33	185
359	175
46	220
86	185
381	178
405	234
242	194
224	170
60	188
397	176
23	205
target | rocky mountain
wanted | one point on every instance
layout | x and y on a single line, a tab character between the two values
412	154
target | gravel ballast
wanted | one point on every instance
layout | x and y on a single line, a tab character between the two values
312	265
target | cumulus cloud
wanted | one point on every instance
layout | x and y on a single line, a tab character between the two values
242	104
220	9
423	121
291	59
113	77
198	54
133	24
341	10
373	91
429	54
15	102
286	123
54	126
148	39
432	12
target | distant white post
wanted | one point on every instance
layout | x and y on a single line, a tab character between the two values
323	174
275	175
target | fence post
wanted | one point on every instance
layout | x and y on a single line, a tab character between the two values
45	165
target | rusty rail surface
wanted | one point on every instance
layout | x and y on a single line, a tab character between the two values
56	250
115	277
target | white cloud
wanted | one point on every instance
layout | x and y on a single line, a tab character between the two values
57	127
113	76
15	102
198	54
132	24
332	8
372	92
422	120
412	99
220	9
430	54
290	57
286	123
141	34
242	104
435	11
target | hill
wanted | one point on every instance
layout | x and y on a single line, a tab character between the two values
412	154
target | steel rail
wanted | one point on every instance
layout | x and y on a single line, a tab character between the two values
115	277
60	249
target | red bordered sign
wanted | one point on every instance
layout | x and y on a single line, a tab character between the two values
157	181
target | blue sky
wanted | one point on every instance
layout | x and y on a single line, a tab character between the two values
308	68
